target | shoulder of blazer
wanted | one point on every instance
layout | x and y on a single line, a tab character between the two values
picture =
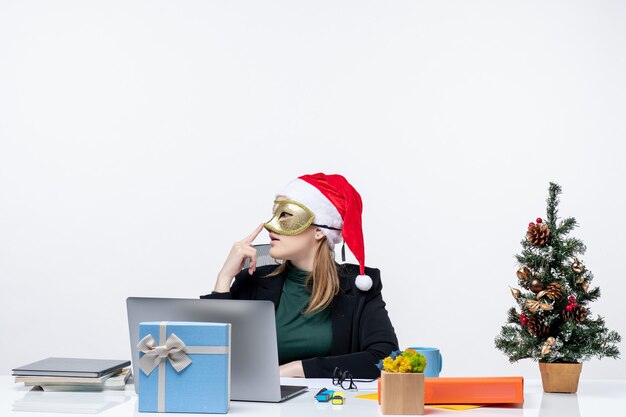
258	285
347	274
259	277
264	270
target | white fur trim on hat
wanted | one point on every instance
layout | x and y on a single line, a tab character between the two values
325	212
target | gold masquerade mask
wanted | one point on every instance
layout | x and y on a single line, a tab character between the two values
290	218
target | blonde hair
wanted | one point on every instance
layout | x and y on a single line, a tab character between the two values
324	276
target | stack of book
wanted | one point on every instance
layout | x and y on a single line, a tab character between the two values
74	374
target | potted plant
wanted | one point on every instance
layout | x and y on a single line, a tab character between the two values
554	324
402	382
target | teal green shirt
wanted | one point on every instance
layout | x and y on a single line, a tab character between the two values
300	336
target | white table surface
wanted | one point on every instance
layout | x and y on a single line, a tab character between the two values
594	398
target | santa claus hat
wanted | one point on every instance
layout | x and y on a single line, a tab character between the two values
338	205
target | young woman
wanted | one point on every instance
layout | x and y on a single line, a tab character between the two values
328	315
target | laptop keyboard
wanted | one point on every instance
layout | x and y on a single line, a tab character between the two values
287	391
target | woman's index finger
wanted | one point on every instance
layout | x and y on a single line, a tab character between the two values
254	234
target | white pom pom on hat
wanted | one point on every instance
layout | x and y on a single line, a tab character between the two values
336	204
363	282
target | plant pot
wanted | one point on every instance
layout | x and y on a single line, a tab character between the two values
401	393
560	377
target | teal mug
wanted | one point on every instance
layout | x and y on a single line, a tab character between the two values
434	360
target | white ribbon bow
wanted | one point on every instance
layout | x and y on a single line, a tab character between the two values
174	350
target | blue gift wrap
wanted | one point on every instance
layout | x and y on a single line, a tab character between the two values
184	367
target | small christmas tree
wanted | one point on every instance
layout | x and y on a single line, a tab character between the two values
554	322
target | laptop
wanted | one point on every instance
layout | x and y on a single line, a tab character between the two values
254	371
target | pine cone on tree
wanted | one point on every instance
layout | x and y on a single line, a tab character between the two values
578	314
538	234
554	291
537	327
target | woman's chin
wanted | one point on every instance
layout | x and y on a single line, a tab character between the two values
276	254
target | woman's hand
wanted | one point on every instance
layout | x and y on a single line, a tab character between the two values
240	251
292	369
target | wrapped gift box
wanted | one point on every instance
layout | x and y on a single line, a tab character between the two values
184	367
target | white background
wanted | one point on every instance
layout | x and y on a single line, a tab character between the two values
138	140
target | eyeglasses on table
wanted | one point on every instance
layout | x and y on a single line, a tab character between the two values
345	380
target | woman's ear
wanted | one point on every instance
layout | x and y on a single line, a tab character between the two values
318	234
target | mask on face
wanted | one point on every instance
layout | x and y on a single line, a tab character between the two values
290	218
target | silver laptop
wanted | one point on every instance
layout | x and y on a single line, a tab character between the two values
254	354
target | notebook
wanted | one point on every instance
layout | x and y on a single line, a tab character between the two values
73	367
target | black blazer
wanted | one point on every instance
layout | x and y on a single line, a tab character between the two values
362	331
